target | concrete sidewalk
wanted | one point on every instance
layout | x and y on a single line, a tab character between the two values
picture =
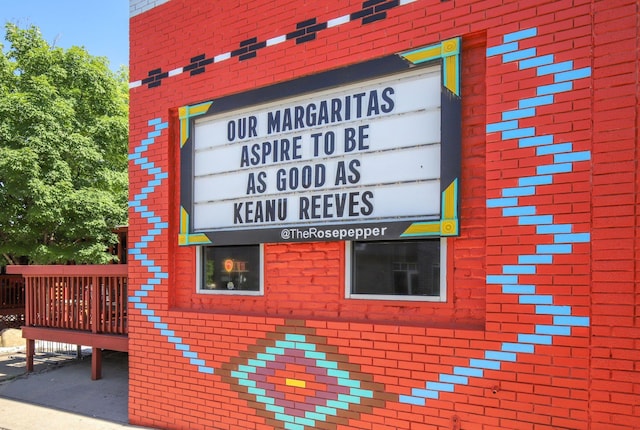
60	394
19	415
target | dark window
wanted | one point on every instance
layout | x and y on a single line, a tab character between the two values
230	268
396	268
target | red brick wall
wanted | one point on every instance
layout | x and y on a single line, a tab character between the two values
614	302
477	355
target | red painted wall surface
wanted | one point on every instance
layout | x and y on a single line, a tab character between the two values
560	352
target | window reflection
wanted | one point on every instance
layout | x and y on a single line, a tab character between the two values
397	268
231	268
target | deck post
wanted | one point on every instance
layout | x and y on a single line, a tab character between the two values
31	348
96	363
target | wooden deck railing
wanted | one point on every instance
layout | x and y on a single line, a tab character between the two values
87	298
83	305
12	298
11	291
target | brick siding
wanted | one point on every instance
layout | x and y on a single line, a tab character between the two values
540	328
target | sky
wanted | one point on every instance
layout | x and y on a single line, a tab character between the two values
100	26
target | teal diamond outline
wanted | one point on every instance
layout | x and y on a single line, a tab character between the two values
361	391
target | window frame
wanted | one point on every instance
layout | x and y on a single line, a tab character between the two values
199	274
348	282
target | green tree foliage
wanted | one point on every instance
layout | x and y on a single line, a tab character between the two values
63	152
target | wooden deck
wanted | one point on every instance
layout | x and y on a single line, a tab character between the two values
82	305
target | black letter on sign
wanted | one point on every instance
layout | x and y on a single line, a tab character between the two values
237	217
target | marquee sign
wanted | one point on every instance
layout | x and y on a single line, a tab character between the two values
368	152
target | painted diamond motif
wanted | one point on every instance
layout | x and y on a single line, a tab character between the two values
298	382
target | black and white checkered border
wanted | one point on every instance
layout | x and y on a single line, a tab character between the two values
372	10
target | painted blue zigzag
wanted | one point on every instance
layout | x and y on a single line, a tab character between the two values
563	158
157	226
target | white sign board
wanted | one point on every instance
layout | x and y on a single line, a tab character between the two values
363	153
